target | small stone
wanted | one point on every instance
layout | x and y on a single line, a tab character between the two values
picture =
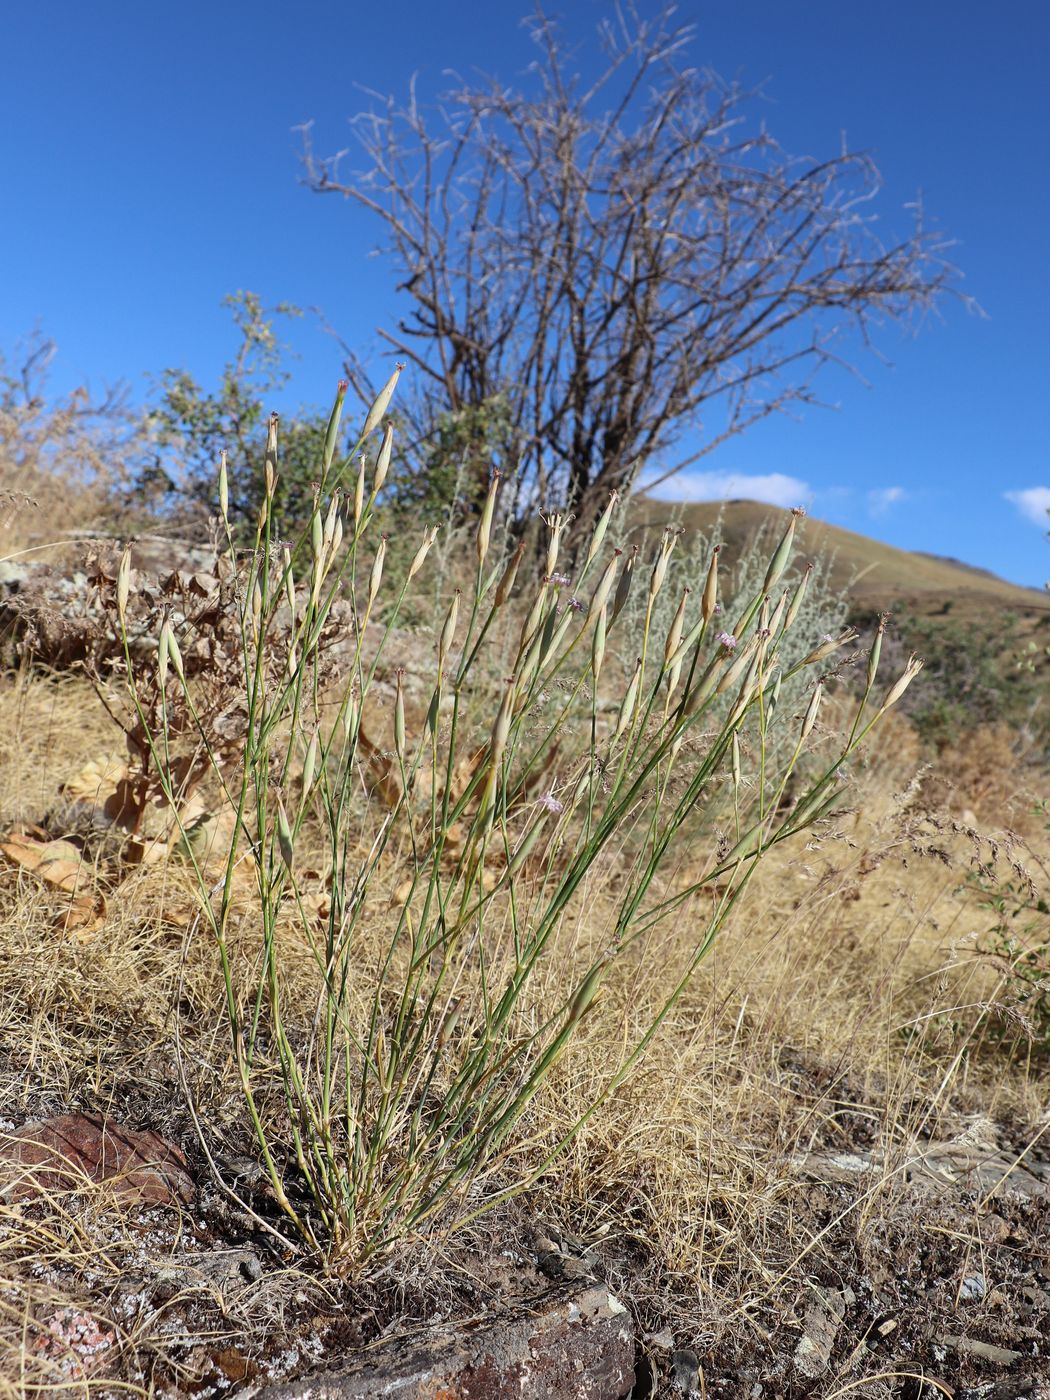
973	1288
685	1370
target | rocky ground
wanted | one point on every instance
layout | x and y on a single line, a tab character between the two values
929	1274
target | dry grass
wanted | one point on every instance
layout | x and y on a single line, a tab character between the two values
839	1011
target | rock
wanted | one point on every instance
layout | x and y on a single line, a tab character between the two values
824	1316
984	1351
685	1372
579	1346
66	1152
227	1270
973	1288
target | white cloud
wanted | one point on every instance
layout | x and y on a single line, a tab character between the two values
1032	503
775	488
879	501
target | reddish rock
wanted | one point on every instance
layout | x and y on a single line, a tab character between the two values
579	1346
61	1154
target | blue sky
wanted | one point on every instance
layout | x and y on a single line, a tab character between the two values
151	167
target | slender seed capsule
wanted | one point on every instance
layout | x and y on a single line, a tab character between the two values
704	688
376	576
123	586
588	990
663	558
263	515
270	465
555	523
350	718
528	843
328	533
399	717
556	637
382	401
429	536
317	532
797	597
163	653
337	538
605	583
778	615
383	460
598	538
484	533
448	631
875	653
506	583
774	698
623	585
310	763
828	645
289	582
359	492
710	599
747	687
911	670
746	846
630	699
811	712
284	836
224	488
176	655
532	622
736	760
332	431
501	729
674	632
741	661
778	563
598	646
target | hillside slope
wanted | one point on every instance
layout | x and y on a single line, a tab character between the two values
876	575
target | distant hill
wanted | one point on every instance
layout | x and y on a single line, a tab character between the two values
876	575
986	641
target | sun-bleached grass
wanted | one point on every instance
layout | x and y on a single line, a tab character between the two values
794	1036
